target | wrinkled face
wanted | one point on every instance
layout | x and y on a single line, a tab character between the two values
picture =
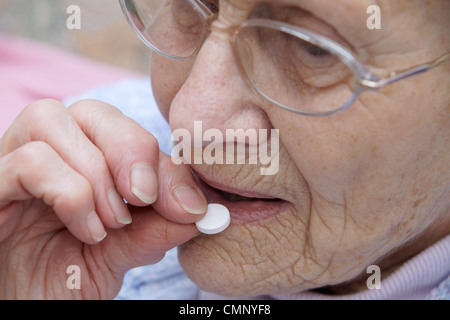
351	188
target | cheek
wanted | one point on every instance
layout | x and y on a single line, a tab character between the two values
250	260
167	78
324	150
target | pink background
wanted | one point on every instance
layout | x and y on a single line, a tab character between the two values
30	71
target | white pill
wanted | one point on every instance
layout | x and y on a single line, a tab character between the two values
216	220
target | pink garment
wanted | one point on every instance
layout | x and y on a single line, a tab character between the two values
30	71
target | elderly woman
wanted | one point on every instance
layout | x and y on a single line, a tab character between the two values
363	176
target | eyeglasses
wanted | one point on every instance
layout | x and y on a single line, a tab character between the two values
291	67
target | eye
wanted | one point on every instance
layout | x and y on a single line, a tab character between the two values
315	50
212	5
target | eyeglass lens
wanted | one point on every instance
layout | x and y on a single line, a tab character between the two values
174	27
293	72
285	69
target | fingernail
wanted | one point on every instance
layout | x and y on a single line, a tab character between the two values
95	227
144	183
190	200
118	207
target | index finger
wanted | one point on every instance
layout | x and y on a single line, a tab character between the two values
142	173
132	153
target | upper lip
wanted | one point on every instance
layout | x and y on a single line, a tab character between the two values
230	189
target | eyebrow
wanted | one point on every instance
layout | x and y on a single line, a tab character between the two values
338	10
348	15
322	7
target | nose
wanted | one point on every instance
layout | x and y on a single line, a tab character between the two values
216	94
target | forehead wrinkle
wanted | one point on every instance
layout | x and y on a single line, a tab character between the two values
336	12
347	17
245	4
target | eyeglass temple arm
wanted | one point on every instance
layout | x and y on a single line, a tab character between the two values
397	76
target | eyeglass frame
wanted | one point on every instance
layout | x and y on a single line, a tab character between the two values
365	80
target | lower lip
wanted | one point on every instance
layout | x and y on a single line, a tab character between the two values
243	212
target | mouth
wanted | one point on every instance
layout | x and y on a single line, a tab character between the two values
245	206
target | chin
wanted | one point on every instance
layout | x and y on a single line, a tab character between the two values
222	265
265	239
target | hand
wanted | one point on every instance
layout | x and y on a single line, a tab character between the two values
63	175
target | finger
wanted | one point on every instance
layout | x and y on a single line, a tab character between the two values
145	241
35	170
142	173
49	121
179	197
131	152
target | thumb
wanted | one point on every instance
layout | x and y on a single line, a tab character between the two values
145	241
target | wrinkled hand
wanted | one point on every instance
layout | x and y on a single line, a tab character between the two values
63	175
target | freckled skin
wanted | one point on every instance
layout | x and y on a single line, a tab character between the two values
361	183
